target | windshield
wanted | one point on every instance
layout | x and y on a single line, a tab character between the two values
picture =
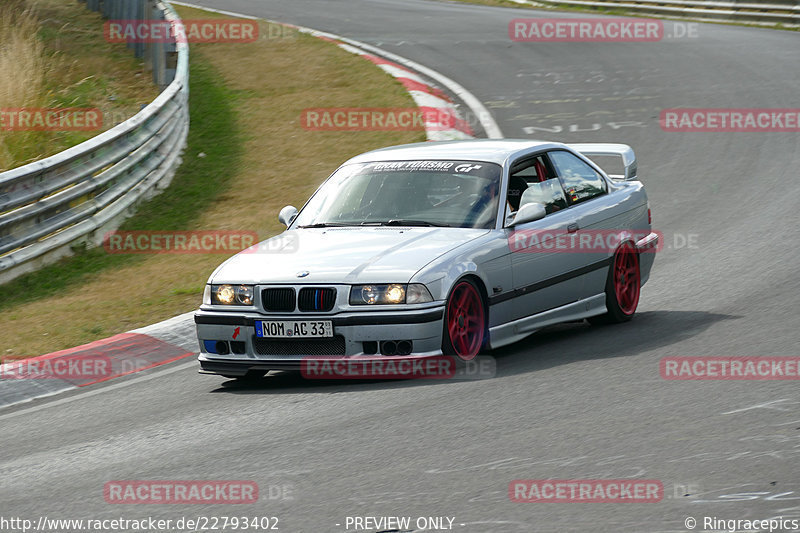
462	194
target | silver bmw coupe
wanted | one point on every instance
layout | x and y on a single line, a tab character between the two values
439	248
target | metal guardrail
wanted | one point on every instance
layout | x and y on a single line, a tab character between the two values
73	198
763	12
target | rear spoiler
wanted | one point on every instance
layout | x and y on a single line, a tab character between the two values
602	149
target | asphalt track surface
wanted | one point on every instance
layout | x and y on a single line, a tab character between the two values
571	402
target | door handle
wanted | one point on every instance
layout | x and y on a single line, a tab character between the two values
572	228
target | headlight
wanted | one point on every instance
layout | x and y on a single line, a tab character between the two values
369	294
244	294
232	294
388	294
225	294
395	294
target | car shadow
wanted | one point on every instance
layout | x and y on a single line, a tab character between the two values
549	347
571	342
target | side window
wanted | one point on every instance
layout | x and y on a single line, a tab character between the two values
532	180
581	182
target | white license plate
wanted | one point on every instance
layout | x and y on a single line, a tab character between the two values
294	329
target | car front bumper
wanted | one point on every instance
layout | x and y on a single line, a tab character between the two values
355	334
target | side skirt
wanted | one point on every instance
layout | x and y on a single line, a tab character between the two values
519	329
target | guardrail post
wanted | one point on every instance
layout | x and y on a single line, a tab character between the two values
170	61
157	49
148	8
139	7
129	13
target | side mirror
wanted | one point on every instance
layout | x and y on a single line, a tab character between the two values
529	213
287	214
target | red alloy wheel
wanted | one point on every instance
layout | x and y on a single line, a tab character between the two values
626	278
465	320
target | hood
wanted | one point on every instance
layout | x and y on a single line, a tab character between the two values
343	255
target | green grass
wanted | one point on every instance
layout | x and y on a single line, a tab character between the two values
197	183
199	180
188	290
